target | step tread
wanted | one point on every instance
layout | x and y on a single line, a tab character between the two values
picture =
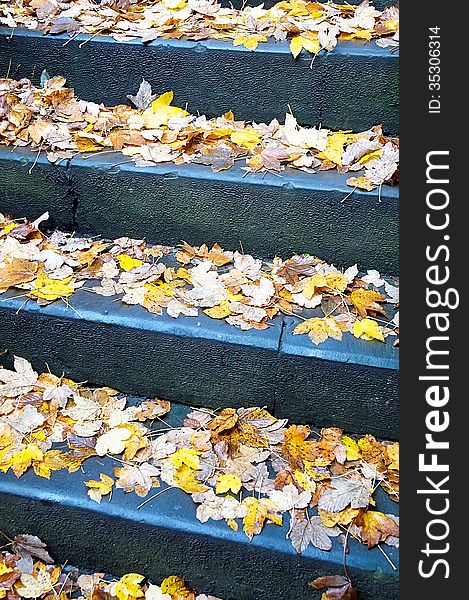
57	509
176	510
321	180
344	47
278	337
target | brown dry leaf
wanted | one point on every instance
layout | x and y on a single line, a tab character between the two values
153	409
366	301
28	546
296	266
17	271
245	426
375	527
338	587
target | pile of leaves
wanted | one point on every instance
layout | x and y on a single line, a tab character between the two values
243	466
244	291
51	118
22	575
28	571
311	26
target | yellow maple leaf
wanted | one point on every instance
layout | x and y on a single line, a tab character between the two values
9	227
370	156
98	489
175	4
4	569
87	142
343	517
51	461
188	457
175	586
336	281
128	262
23	459
184	478
367	329
258	511
52	289
299	42
246	138
228	482
220	311
312	284
319	329
295	8
393	454
161	111
391	25
334	149
375	527
361	34
250	42
352	449
129	586
303	479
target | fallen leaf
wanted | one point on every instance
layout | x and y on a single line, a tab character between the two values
319	329
312	531
227	483
20	381
98	489
375	527
129	586
367	329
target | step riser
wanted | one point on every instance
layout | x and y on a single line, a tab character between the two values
27	194
202	362
354	87
164	537
265	215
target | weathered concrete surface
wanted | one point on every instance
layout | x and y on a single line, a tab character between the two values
344	374
353	87
268	214
164	537
204	362
30	185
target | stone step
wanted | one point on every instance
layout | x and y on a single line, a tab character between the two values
200	361
353	87
165	537
267	214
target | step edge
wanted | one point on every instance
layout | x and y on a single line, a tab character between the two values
272	339
270	539
344	48
321	180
